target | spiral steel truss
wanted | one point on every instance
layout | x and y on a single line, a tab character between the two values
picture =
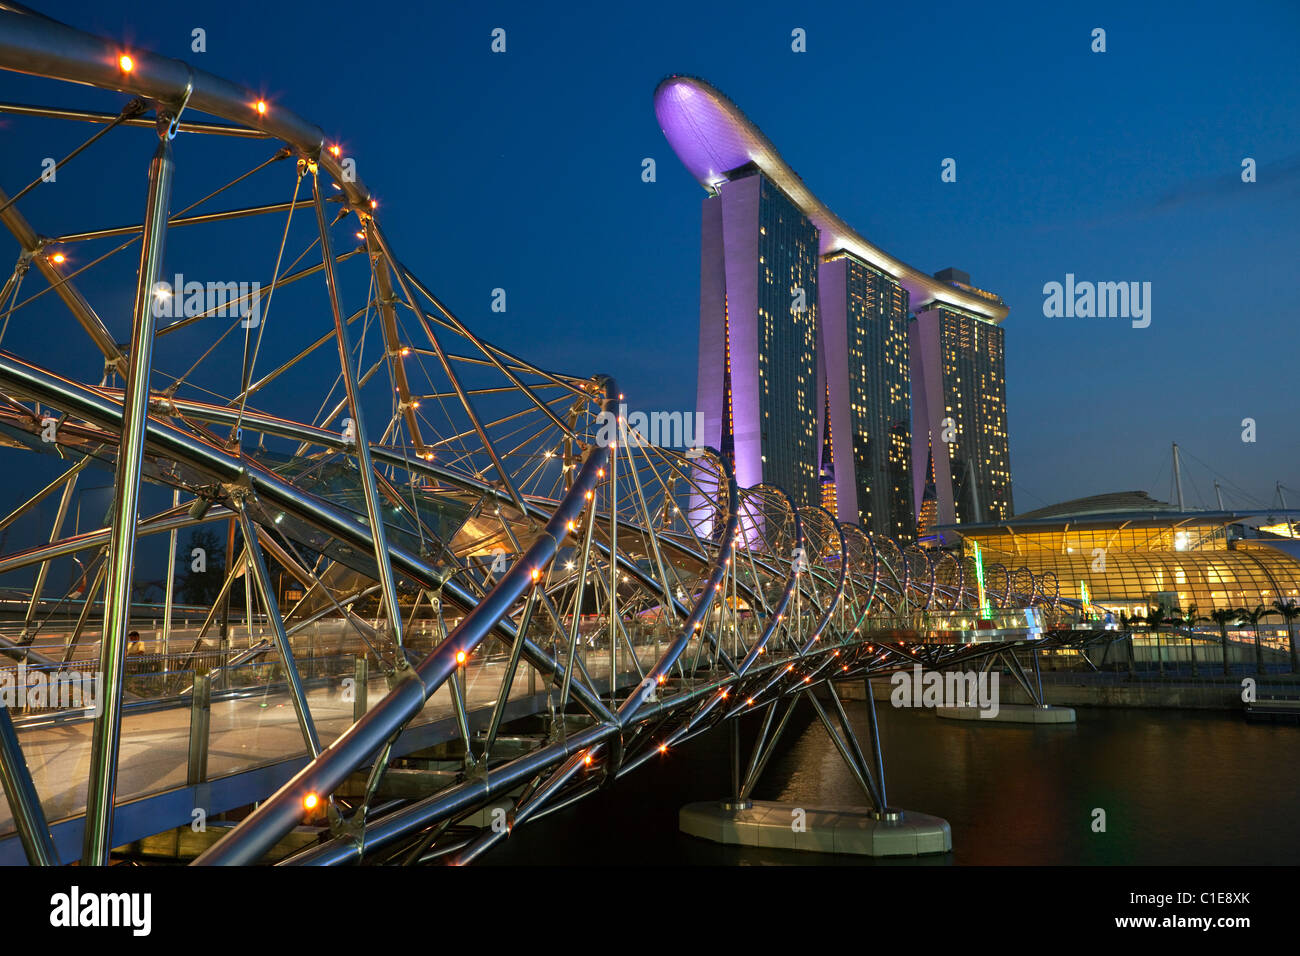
441	478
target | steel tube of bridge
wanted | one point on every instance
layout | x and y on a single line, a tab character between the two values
877	757
845	754
44	47
257	833
102	787
169	597
24	801
635	700
613	567
43	571
461	797
851	739
364	463
272	607
93	539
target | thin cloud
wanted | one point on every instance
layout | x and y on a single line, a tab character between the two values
1279	179
1267	176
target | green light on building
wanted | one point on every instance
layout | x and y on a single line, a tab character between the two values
979	580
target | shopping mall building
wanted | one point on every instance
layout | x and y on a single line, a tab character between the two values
1127	551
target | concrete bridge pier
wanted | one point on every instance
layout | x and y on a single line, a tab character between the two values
876	830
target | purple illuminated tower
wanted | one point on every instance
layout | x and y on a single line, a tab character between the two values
809	361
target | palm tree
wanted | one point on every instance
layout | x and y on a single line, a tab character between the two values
1157	617
1127	623
1290	610
1223	617
1254	618
1189	619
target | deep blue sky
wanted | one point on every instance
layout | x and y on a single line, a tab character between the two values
522	171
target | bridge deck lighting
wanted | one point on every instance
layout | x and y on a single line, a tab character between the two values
126	63
460	658
310	802
260	106
58	258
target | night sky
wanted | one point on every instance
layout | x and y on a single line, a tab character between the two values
523	171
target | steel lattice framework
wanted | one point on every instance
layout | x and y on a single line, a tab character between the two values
442	478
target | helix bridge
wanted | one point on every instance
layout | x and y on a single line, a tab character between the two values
484	535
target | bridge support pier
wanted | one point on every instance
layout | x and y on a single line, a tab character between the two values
876	830
841	830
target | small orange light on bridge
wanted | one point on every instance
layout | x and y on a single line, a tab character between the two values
310	802
460	658
126	63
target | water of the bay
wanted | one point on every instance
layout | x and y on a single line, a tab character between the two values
1177	788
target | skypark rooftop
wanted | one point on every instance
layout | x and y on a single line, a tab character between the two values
713	138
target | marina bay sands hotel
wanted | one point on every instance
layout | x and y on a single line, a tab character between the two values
828	367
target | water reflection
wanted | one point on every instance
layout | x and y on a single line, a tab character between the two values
1178	787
